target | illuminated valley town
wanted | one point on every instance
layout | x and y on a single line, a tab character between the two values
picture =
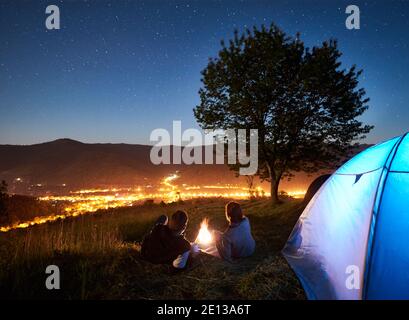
79	202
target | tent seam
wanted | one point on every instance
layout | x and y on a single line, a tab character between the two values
361	173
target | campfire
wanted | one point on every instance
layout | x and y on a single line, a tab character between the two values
204	238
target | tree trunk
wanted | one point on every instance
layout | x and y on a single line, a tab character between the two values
274	190
274	182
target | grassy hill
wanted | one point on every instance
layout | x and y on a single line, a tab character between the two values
98	256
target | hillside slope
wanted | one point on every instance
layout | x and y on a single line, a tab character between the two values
99	256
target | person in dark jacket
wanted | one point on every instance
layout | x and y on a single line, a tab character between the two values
237	241
166	244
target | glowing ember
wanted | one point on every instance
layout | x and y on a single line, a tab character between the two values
204	237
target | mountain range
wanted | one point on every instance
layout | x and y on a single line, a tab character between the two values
75	165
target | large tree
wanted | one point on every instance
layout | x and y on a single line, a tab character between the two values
304	105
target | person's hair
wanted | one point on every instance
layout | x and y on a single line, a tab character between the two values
178	221
234	214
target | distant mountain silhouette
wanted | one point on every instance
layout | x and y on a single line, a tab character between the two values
85	165
78	164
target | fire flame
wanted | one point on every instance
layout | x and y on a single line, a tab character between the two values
204	237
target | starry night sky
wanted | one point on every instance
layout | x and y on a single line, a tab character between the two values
118	69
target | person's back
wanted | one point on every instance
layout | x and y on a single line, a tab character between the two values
237	241
162	246
240	238
166	244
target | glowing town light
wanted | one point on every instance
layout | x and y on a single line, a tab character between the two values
297	194
87	201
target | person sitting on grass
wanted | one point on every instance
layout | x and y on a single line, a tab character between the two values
166	244
237	241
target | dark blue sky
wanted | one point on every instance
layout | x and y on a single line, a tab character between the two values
118	69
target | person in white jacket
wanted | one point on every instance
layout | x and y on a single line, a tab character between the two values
237	241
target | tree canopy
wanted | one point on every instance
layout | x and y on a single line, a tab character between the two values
305	106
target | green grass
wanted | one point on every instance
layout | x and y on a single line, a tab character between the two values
98	256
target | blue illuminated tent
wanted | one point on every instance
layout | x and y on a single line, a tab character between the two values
357	224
